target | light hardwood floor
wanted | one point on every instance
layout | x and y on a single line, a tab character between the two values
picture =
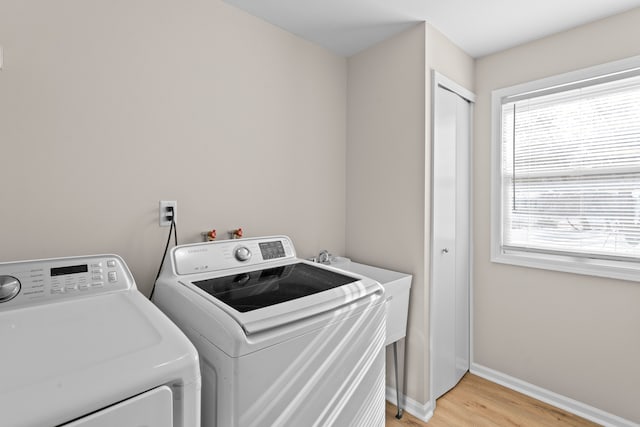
477	402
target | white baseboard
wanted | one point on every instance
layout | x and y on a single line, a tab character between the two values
573	406
418	410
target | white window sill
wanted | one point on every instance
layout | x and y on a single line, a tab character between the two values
567	264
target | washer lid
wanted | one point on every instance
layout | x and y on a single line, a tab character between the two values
281	294
262	288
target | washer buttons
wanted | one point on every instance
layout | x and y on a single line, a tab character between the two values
113	276
111	263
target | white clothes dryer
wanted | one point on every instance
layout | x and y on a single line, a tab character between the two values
80	346
282	341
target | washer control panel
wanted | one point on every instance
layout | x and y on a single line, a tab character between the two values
225	254
41	281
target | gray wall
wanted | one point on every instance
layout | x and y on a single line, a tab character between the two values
107	107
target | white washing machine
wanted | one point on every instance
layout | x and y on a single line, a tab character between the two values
282	341
80	346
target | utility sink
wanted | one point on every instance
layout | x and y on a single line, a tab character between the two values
396	286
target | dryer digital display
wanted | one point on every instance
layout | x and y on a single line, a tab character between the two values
72	269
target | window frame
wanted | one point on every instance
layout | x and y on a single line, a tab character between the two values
617	269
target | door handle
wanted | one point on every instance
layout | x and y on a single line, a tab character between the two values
445	251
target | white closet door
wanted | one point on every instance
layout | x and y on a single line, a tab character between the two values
450	240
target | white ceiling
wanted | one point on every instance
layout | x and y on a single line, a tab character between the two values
479	27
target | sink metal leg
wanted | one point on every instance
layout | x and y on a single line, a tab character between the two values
395	362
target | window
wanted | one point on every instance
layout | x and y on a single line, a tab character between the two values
566	186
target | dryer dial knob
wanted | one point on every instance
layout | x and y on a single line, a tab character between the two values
9	288
242	253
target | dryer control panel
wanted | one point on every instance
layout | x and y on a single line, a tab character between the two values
27	283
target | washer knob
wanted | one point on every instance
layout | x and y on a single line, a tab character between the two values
9	288
242	253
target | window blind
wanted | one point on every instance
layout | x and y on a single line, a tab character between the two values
571	170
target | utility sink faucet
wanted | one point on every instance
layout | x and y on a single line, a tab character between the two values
324	257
